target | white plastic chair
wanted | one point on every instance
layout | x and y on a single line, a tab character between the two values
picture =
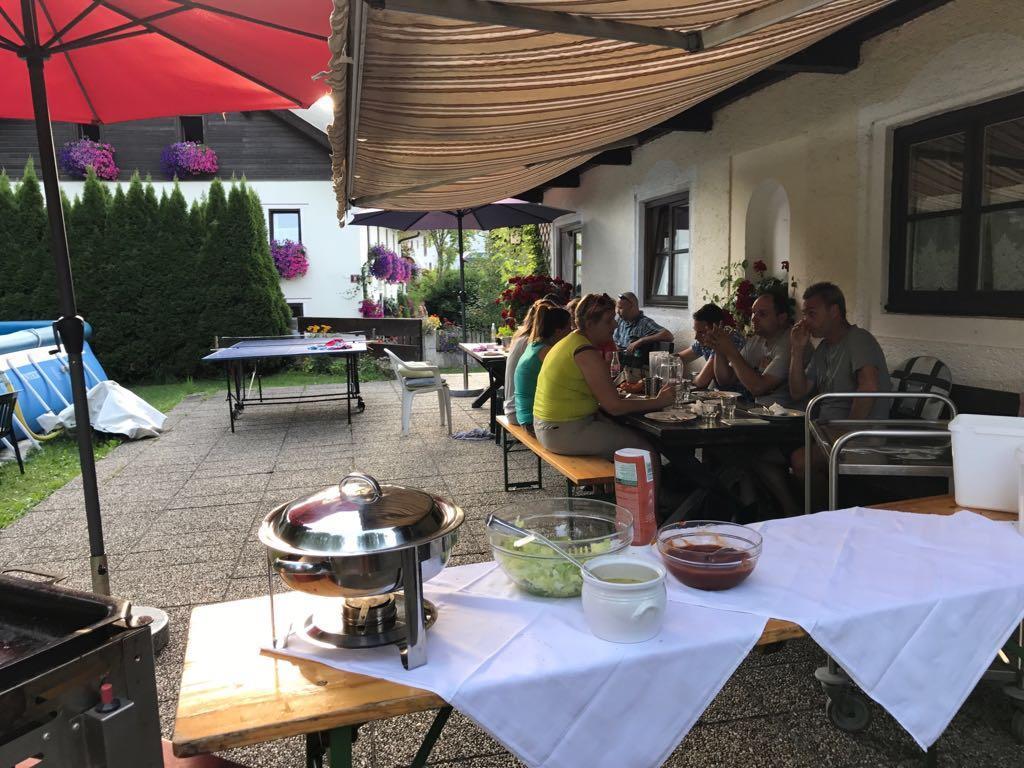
427	378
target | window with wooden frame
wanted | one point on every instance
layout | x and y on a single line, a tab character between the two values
957	219
192	128
89	131
667	251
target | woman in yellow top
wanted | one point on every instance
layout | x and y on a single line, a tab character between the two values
574	386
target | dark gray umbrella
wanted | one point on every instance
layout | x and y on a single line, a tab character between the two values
504	213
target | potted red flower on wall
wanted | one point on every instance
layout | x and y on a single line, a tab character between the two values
76	157
371	308
740	292
523	291
188	159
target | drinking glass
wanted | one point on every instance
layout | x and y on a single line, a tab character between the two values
683	392
729	404
709	410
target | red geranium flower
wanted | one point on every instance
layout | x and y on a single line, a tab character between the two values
785	266
760	266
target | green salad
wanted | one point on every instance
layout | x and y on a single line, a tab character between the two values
539	571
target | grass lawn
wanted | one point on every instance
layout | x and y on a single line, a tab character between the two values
57	462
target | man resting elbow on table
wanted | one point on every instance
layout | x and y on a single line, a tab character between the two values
761	369
574	387
707	320
849	359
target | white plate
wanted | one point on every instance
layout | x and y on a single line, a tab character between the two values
671	416
785	415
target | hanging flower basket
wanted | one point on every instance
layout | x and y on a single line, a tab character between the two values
289	258
77	156
388	266
188	159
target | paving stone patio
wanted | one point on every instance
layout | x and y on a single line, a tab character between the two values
180	515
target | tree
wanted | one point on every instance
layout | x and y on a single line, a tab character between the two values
244	296
534	245
445	243
131	340
281	314
10	263
517	251
87	224
31	244
179	283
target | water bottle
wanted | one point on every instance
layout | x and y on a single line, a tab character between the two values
614	367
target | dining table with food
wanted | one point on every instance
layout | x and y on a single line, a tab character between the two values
704	417
591	639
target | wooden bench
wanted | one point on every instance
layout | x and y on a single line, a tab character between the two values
577	470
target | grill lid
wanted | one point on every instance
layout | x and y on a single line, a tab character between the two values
360	516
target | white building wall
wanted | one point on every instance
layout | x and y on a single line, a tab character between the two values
335	253
825	140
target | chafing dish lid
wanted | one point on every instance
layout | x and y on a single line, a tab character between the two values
360	516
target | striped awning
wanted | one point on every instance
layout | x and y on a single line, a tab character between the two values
442	113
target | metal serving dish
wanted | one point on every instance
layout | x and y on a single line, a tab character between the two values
348	540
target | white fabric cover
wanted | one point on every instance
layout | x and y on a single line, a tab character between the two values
117	411
914	607
528	671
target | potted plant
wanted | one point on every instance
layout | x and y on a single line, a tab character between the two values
188	159
524	290
76	157
289	258
741	291
505	335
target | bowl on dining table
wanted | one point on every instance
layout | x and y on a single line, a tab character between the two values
585	528
709	555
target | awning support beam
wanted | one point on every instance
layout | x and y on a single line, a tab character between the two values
749	23
519	17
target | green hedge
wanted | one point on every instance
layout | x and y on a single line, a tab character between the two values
156	279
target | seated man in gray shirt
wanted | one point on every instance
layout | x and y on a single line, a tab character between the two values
849	359
761	368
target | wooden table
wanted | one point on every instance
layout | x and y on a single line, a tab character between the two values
493	361
233	696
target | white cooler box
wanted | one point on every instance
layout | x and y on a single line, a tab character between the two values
986	468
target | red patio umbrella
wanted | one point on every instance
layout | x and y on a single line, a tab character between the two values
105	61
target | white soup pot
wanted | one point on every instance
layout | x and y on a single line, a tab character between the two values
624	612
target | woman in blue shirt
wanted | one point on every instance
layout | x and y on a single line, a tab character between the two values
550	324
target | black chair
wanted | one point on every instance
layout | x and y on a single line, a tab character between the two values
7	404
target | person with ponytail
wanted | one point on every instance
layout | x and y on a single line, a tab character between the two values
550	325
574	387
520	340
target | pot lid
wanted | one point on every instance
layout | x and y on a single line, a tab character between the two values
360	516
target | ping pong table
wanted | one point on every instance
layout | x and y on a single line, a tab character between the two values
236	353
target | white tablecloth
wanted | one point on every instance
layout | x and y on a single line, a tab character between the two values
528	671
914	607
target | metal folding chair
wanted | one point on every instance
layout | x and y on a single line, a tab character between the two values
8	402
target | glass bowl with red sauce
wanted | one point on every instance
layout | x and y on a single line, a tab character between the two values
708	554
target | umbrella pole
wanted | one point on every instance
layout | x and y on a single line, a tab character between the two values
69	327
465	391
